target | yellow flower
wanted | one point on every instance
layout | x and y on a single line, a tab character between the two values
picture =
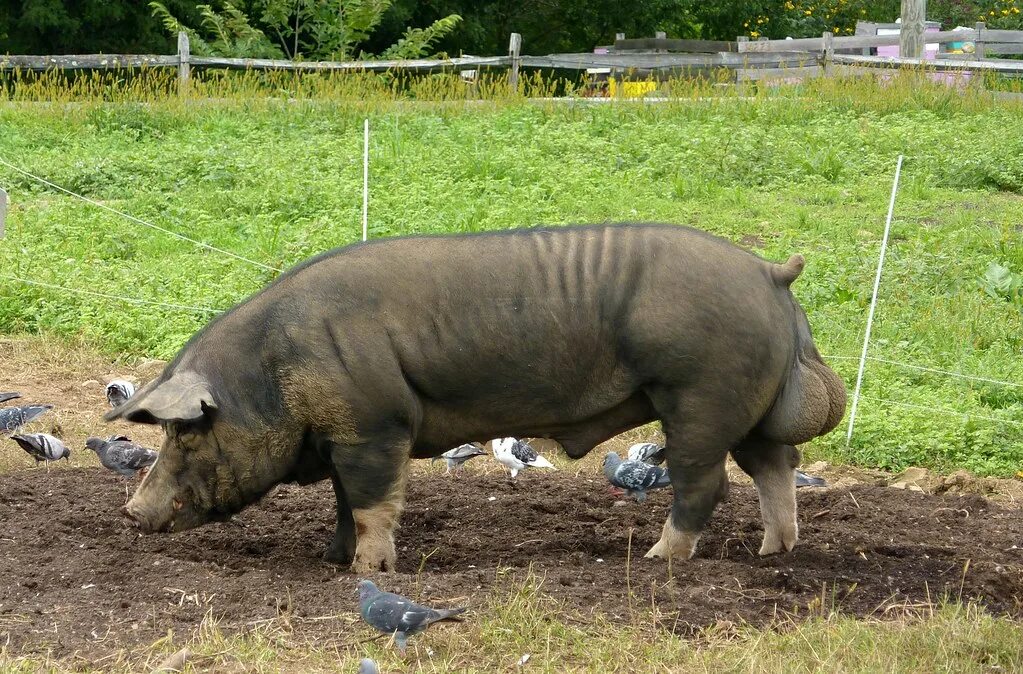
1015	10
745	25
992	12
759	21
807	12
836	29
754	33
863	11
789	5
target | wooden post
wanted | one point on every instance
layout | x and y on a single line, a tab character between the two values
827	52
3	211
911	32
980	50
184	69
740	73
514	49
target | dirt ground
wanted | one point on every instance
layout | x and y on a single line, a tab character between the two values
79	580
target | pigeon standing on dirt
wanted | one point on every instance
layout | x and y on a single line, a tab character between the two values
456	458
393	614
635	477
13	418
118	392
4	397
42	447
647	452
120	454
516	455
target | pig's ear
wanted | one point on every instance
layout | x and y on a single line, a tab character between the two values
185	396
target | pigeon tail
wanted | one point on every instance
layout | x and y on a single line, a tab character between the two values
4	397
804	480
442	614
540	462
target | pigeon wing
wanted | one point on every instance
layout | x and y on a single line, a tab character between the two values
4	397
631	475
386	612
31	445
462	452
523	452
130	456
13	418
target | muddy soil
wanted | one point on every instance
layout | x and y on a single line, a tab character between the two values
77	579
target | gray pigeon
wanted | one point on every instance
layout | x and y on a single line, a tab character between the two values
456	458
13	418
647	452
42	447
122	455
804	480
118	392
635	477
4	397
367	666
393	614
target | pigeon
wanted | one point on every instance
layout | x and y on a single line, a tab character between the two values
635	477
456	458
367	666
647	452
393	614
42	447
4	397
118	392
13	418
804	480
516	455
120	454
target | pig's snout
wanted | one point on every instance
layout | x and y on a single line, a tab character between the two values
135	518
145	521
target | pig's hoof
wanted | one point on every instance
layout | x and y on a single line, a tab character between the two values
339	556
674	543
366	563
779	540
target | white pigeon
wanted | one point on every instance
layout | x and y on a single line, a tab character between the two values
647	452
516	455
118	392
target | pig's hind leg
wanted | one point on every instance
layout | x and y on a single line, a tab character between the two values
772	466
699	430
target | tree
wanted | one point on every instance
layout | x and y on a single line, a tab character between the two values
301	29
85	27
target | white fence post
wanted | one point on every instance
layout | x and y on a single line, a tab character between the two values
873	302
365	179
3	211
184	68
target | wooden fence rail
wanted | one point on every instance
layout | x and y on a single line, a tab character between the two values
748	59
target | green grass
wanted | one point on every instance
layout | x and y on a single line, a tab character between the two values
802	170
